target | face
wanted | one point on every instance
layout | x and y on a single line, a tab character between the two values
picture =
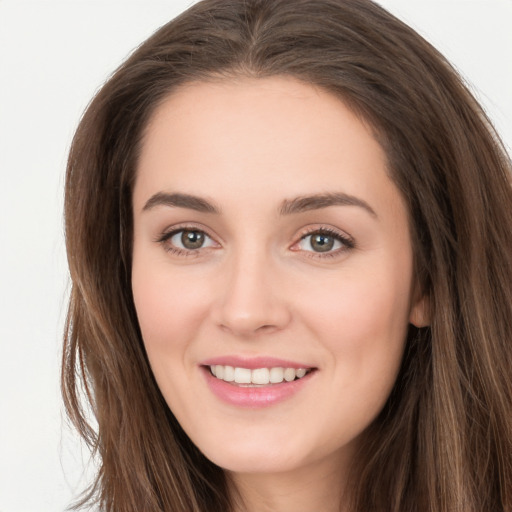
272	271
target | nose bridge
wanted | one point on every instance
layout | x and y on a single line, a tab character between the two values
250	299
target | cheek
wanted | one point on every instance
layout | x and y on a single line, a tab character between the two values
362	320
362	326
359	303
170	312
169	308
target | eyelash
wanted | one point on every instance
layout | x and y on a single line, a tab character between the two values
165	237
346	241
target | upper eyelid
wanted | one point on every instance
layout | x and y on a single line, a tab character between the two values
343	235
170	231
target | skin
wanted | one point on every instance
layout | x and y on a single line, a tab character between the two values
257	287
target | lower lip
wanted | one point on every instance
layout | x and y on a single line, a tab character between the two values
254	397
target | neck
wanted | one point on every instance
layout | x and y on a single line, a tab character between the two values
318	486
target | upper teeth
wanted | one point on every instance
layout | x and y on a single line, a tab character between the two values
257	376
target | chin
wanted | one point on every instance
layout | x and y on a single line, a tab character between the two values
254	455
236	462
264	454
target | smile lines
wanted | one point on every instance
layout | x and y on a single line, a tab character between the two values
258	376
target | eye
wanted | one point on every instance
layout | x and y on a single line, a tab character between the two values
323	241
185	240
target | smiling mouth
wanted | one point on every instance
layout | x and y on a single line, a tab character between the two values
246	377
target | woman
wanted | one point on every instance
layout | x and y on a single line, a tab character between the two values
290	240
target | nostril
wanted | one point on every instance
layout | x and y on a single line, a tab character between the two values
266	328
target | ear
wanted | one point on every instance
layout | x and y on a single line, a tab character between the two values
419	315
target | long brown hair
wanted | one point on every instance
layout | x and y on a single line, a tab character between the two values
443	442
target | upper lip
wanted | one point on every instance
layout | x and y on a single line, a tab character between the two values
253	363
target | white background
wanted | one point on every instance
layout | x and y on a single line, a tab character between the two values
53	57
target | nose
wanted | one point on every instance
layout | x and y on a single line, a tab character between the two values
251	300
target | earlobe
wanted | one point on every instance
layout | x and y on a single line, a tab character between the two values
420	312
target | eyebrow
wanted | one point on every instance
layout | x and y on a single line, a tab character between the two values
180	201
318	201
288	206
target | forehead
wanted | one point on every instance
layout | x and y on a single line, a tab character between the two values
275	136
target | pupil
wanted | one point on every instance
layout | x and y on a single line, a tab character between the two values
192	239
322	243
